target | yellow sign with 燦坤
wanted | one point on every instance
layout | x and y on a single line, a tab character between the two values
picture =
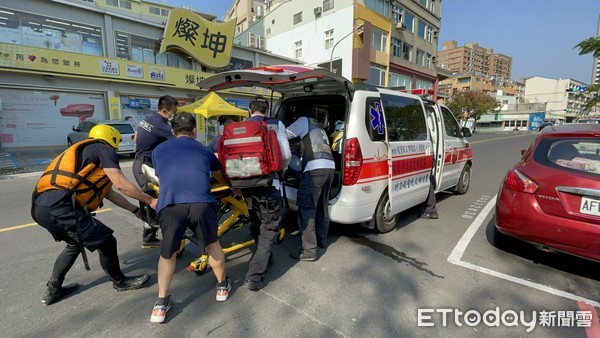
210	43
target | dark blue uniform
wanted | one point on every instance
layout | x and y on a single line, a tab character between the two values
151	132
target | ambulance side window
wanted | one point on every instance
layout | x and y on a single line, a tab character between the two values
374	119
452	128
405	118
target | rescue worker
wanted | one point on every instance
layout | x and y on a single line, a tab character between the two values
73	185
185	200
265	202
313	192
151	132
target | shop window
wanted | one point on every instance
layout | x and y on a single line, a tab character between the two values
50	32
376	75
145	50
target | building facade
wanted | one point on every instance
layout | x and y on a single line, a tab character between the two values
67	60
513	115
380	42
564	99
476	81
596	64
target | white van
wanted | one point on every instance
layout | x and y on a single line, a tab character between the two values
389	143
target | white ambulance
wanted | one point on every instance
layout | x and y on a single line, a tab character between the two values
392	141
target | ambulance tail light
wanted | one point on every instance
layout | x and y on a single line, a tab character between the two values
352	161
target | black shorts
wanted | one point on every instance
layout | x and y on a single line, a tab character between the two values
201	218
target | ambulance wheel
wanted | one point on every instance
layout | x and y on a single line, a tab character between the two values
382	220
464	181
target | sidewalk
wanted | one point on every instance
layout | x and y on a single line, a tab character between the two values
27	160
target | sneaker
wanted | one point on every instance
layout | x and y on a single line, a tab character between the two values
223	289
159	312
430	215
131	283
253	285
303	256
54	294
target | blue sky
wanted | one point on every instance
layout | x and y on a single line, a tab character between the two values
538	34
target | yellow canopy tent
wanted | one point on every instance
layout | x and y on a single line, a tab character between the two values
213	105
210	108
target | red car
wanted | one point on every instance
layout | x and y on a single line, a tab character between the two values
551	197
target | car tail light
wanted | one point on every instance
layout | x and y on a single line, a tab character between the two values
517	181
352	161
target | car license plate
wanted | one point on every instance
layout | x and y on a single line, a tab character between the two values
590	206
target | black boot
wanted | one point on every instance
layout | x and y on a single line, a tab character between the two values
149	239
54	292
130	283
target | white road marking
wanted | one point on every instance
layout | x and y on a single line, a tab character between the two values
456	255
312	318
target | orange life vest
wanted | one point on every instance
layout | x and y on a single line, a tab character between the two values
89	184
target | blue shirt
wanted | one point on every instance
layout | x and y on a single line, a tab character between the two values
183	166
151	132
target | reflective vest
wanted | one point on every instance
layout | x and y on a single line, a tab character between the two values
315	143
89	184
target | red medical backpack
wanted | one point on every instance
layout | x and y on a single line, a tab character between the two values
249	153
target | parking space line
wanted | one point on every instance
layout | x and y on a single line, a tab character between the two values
458	251
16	227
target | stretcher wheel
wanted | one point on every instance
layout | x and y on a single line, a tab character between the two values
199	264
280	237
181	248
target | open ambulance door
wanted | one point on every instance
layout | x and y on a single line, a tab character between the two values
409	152
434	123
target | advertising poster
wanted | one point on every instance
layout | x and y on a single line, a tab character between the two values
33	118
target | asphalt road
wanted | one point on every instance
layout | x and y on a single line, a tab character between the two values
366	284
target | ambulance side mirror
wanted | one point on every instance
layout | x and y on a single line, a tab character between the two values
466	132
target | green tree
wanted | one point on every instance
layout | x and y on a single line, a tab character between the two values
467	104
591	46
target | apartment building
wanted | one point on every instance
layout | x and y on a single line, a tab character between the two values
380	42
473	58
564	99
64	61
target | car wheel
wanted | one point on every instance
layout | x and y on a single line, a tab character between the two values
464	181
69	142
382	220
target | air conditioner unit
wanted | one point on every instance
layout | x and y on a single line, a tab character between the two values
435	34
400	26
318	10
